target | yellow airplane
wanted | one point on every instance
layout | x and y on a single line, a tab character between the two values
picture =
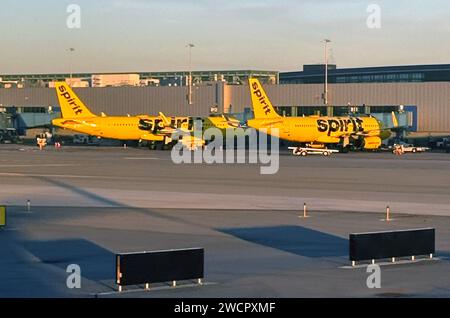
76	116
222	122
314	131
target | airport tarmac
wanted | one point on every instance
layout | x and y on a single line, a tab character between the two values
88	203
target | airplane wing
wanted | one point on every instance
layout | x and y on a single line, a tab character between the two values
372	132
152	137
70	122
233	122
366	133
270	122
162	127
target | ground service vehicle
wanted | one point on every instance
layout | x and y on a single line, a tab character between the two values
410	148
300	151
8	136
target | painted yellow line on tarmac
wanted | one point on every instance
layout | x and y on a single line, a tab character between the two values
143	158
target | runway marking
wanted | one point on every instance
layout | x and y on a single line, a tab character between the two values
10	229
144	158
25	175
38	165
138	198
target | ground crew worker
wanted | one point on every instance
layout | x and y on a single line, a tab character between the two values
41	141
398	150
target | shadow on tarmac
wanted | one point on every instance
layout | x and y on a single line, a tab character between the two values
96	262
293	239
81	192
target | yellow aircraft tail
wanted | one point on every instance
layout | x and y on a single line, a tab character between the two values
71	105
262	107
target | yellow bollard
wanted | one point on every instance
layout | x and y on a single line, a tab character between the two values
2	216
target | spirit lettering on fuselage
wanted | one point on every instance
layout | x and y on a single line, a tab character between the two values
178	122
154	124
64	93
146	124
262	98
341	125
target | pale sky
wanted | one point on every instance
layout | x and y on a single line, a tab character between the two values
280	35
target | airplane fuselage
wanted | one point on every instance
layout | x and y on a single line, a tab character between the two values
322	130
121	127
124	128
77	116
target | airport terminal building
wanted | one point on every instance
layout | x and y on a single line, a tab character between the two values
422	90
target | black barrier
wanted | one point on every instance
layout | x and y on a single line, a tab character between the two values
159	266
378	245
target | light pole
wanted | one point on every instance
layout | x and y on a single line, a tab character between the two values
190	46
325	96
71	50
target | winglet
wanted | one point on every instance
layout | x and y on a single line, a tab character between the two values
166	120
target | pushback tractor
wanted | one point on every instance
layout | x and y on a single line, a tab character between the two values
303	152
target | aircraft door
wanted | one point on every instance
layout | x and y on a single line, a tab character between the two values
96	131
286	130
